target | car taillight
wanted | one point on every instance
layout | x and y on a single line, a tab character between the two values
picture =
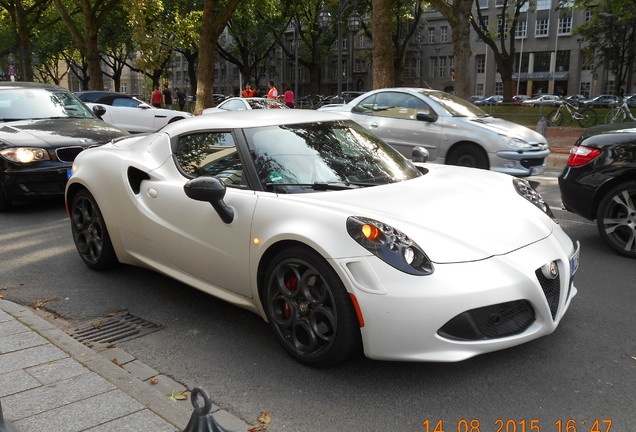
580	155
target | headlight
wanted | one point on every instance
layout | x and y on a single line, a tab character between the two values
390	245
25	155
525	189
517	143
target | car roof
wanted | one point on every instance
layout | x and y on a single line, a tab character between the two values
29	85
249	119
111	97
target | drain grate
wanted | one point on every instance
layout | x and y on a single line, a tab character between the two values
119	327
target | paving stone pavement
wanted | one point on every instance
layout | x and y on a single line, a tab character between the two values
50	382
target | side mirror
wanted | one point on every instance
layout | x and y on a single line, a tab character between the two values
99	111
144	106
212	190
427	116
419	154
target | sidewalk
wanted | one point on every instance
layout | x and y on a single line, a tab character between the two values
49	382
560	140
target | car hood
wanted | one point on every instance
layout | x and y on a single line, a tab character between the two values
507	128
52	133
455	214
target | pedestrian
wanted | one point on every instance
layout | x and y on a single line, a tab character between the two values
248	92
272	93
167	97
288	96
181	98
156	97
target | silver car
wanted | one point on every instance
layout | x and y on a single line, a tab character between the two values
453	130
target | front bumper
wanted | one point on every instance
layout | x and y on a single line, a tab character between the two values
404	314
45	180
520	163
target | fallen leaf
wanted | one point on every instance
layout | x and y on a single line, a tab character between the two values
264	419
38	305
98	325
154	381
1	297
112	314
115	361
177	395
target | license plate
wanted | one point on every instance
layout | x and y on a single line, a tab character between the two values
574	259
69	173
537	170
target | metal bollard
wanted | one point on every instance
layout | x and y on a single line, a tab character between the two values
201	419
542	126
5	426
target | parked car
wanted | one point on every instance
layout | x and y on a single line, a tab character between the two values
453	130
518	99
44	127
218	98
490	100
316	225
631	100
543	100
239	104
91	95
131	114
601	101
599	183
575	99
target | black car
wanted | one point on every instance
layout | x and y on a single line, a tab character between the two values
43	128
599	183
91	95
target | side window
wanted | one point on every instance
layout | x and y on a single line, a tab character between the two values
366	106
212	154
124	102
399	105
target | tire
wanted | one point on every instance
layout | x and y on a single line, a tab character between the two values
468	155
616	219
615	115
588	118
555	118
90	233
309	309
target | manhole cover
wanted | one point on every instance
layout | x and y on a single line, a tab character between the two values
120	327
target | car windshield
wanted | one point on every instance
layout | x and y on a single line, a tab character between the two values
455	106
34	103
265	103
324	156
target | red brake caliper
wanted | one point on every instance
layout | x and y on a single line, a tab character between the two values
291	284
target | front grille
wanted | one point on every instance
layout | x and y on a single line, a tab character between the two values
68	154
552	290
529	163
490	322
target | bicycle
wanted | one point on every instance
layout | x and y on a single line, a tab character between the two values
620	113
586	117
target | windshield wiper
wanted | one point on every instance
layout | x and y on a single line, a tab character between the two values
321	186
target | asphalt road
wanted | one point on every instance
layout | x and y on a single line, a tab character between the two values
584	372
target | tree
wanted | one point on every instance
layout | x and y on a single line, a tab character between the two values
85	32
500	37
459	16
612	28
382	52
24	17
215	17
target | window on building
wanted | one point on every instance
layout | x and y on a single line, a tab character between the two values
124	87
542	28
563	60
525	59
588	15
586	88
480	63
542	61
479	89
433	67
521	30
543	4
610	87
502	26
565	26
412	66
431	35
498	87
483	4
443	35
443	67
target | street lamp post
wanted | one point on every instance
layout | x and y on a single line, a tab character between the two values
354	24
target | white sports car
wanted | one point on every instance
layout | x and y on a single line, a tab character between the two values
329	234
131	114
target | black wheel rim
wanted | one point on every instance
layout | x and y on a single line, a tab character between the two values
302	308
88	229
619	221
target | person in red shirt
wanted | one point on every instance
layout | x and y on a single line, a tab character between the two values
288	96
248	92
272	93
156	97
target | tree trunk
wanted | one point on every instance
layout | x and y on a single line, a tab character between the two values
461	50
382	54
